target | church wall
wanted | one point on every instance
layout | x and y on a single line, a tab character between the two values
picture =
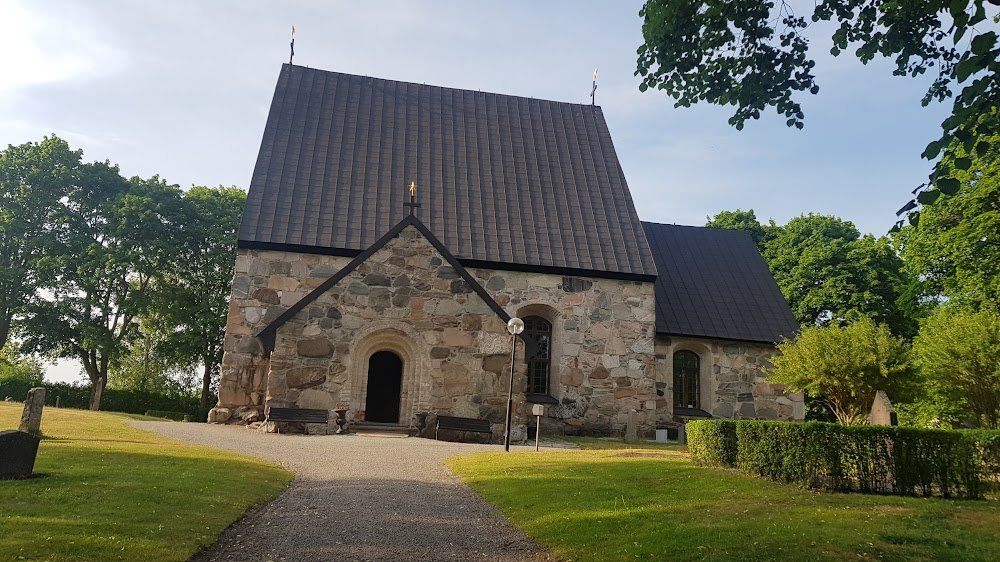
602	362
265	283
731	382
455	350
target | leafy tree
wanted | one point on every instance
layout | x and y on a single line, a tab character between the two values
754	55
34	177
828	272
845	366
193	301
144	366
114	239
955	246
744	220
13	365
958	353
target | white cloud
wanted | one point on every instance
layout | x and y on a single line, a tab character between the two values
61	45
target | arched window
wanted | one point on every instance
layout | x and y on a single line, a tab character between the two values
687	368
537	335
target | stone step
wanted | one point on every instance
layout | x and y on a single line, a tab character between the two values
380	429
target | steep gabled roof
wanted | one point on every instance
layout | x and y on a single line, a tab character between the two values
507	182
714	283
268	333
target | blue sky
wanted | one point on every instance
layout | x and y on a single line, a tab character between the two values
181	89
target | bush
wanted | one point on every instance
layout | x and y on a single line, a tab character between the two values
113	400
712	442
868	459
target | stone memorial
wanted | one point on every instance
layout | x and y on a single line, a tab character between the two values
31	418
18	450
631	427
882	411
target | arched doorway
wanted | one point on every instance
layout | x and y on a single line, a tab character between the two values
385	377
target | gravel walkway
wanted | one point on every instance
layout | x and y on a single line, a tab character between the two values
359	498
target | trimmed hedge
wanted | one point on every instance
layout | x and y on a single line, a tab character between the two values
712	444
113	399
869	459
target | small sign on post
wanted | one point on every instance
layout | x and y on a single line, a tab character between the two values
538	410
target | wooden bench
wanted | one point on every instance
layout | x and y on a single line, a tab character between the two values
297	415
462	424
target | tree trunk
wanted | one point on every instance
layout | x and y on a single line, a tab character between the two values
96	393
5	321
206	382
97	372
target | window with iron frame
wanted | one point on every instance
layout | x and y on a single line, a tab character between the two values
687	371
537	336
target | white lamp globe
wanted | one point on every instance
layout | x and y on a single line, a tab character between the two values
515	326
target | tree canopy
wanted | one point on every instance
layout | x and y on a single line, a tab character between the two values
128	276
958	353
34	177
828	272
844	366
956	245
755	54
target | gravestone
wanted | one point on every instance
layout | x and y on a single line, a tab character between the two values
631	429
882	411
31	418
17	454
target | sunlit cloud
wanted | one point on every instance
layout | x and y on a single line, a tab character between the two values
49	47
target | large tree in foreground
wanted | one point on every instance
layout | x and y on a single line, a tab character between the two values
845	366
958	353
754	54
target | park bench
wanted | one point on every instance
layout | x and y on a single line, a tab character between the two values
462	424
297	415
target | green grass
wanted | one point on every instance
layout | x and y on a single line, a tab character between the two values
654	504
113	492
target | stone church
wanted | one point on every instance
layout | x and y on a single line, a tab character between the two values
392	229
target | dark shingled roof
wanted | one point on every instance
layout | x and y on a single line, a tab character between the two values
505	181
714	283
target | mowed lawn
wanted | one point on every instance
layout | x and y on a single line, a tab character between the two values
654	504
113	492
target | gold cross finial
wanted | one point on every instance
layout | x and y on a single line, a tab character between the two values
413	188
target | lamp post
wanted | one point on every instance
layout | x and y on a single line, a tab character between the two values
515	326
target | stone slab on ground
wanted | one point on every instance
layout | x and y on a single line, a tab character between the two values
18	450
360	498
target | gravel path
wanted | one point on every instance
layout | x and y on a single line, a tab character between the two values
359	498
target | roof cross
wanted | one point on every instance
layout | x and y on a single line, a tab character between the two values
412	203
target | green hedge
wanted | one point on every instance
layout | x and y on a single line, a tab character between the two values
869	459
113	400
712	444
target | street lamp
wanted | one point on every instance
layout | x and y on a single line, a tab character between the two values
515	326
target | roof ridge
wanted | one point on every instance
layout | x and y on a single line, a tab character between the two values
425	85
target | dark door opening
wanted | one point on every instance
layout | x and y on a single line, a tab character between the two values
385	378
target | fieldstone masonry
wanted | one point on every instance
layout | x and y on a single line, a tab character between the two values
882	412
406	298
732	384
31	417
